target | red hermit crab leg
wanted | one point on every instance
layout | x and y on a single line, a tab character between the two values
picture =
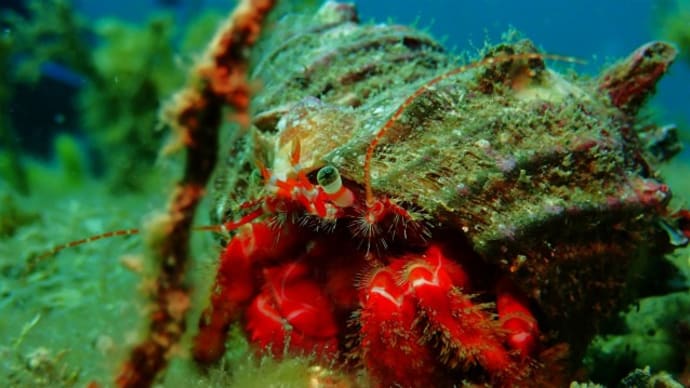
383	299
292	313
468	332
256	242
516	318
236	284
421	299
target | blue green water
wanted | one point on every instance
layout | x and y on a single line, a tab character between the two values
596	31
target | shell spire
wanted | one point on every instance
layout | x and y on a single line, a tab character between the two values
629	82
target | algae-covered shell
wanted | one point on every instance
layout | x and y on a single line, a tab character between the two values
545	177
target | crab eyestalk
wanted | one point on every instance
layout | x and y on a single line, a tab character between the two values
330	181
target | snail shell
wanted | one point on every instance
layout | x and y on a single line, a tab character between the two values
545	177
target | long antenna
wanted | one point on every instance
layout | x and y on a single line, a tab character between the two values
58	248
224	227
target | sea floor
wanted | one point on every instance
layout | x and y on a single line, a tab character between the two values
70	318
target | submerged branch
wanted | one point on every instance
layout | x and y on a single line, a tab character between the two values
218	80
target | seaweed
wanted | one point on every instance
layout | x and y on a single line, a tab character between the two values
11	167
135	67
672	24
13	216
126	72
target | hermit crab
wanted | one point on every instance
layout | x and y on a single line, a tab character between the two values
430	223
390	212
301	264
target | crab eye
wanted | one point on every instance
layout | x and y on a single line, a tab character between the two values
328	178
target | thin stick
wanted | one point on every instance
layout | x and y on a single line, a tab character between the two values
218	81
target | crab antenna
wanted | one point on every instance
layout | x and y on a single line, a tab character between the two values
411	98
224	227
115	233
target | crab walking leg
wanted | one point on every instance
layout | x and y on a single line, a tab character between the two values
469	333
293	314
516	318
392	347
235	284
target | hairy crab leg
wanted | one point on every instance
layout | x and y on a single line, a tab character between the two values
429	293
235	283
293	314
516	318
469	333
393	349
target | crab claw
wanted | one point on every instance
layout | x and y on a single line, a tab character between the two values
236	283
292	313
